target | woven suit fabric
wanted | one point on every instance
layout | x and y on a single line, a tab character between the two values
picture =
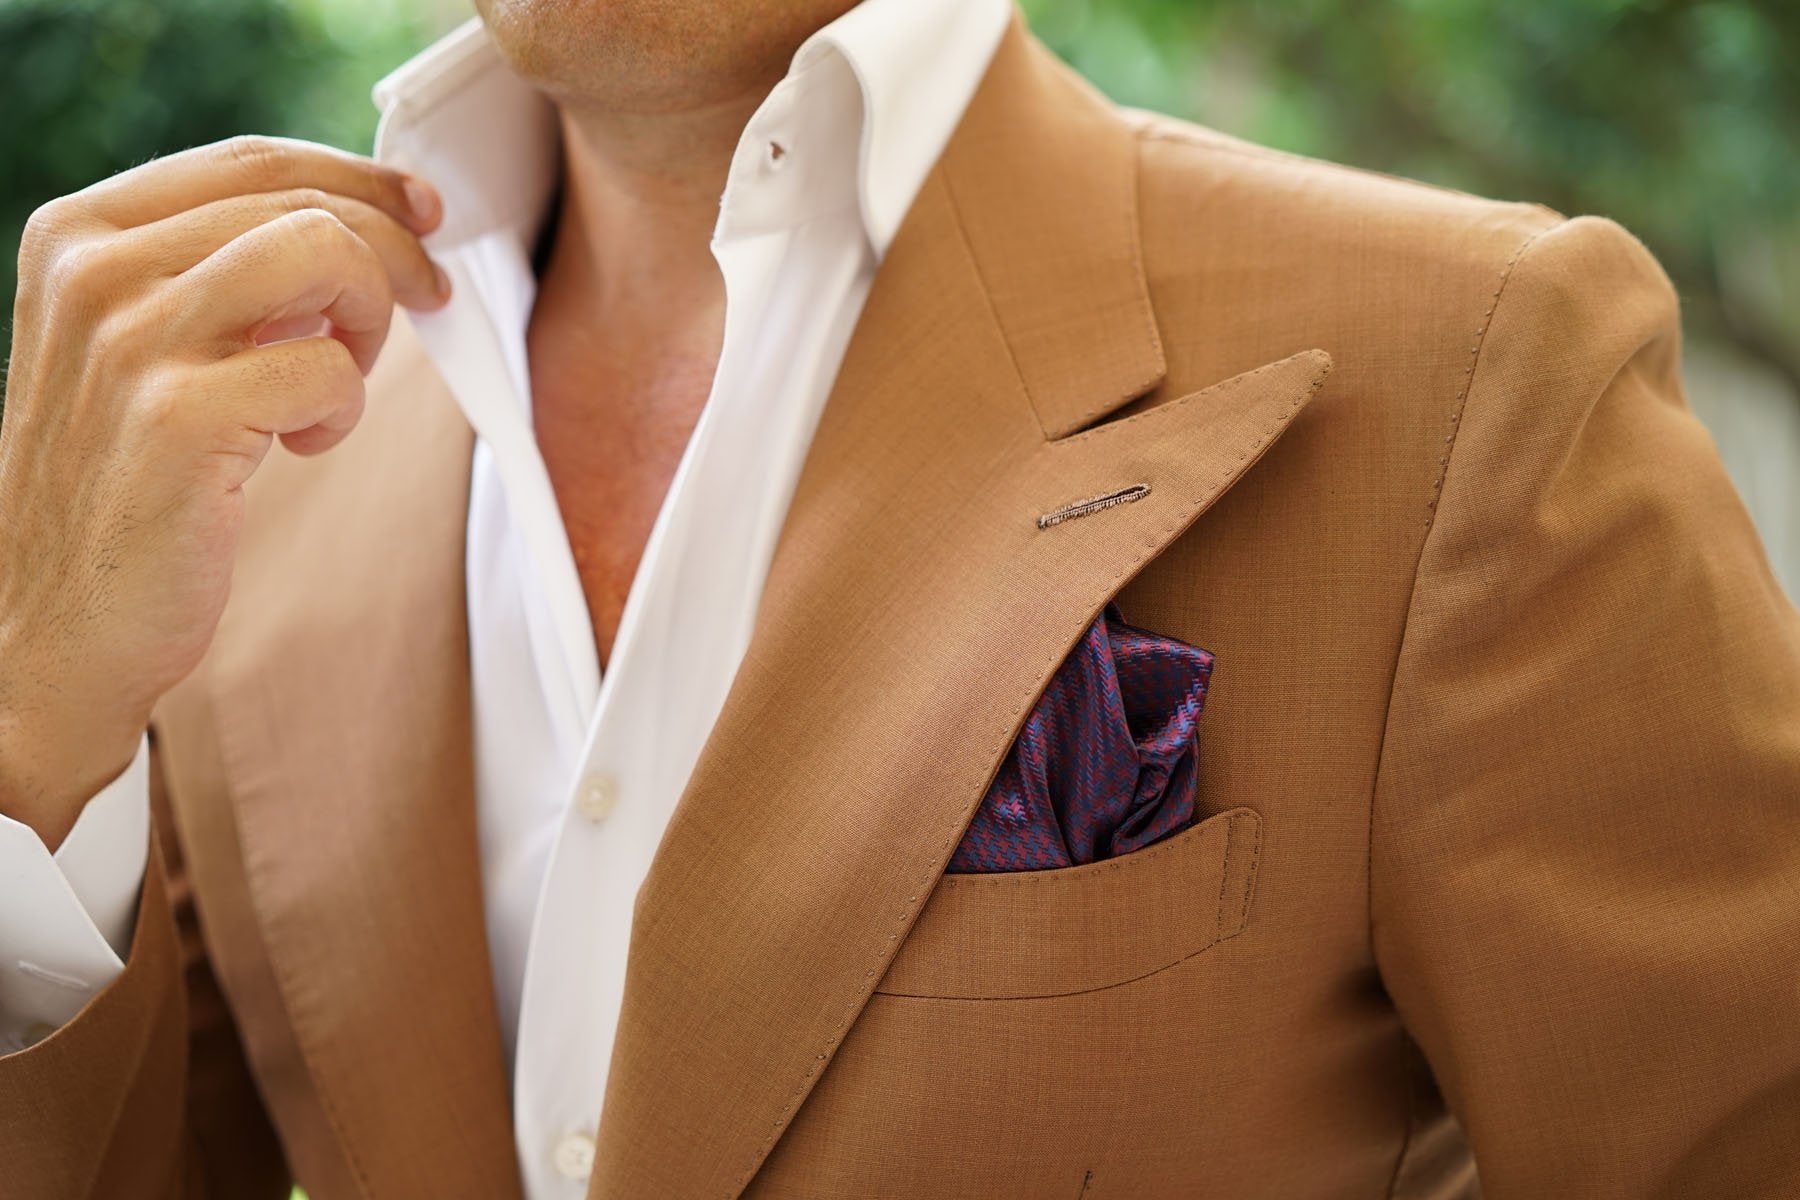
1106	762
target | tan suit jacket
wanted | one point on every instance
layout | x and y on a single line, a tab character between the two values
1499	773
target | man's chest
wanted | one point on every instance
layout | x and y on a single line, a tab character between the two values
612	437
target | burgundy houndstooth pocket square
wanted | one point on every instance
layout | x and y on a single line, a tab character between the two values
1105	763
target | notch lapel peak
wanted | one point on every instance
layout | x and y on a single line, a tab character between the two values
1044	175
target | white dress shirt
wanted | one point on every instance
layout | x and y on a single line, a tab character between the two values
577	774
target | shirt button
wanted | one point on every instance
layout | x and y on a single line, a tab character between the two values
596	796
574	1156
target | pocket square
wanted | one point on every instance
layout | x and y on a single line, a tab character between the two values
1106	762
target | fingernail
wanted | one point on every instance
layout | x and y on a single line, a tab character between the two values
422	198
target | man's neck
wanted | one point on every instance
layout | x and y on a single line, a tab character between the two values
631	250
625	336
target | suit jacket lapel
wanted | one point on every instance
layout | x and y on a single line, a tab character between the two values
341	682
914	611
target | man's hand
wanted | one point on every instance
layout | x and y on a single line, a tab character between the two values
170	323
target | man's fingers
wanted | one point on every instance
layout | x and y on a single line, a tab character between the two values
293	327
165	186
308	392
306	263
176	243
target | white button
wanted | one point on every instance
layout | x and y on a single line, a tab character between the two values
596	796
574	1156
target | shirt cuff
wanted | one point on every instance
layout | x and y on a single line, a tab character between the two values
66	919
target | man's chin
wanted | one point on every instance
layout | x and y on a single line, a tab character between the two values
653	56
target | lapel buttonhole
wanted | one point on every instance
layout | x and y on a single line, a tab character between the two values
1093	504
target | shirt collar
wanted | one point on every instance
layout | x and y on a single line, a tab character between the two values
863	113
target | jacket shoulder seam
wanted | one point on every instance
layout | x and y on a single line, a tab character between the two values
1155	127
1437	485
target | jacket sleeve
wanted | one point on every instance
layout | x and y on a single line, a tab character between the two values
1585	845
145	1094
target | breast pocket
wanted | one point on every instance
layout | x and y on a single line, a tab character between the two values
1077	929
